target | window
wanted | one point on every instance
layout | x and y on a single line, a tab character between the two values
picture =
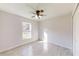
26	34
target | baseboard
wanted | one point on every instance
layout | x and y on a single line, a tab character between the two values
70	48
10	48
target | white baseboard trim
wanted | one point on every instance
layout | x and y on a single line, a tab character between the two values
4	50
64	46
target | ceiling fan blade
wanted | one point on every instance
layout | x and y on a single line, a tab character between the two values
43	15
33	16
33	13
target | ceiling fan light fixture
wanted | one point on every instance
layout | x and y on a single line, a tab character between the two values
38	17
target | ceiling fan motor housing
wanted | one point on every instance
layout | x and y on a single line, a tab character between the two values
38	12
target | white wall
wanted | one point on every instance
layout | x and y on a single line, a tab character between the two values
59	30
76	33
11	30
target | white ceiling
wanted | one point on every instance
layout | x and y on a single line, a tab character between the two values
26	9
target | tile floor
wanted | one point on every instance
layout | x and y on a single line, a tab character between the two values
38	48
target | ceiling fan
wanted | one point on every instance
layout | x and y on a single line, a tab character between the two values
38	13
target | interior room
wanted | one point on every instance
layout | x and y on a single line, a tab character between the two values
38	29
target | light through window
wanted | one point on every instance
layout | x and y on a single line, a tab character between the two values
26	34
